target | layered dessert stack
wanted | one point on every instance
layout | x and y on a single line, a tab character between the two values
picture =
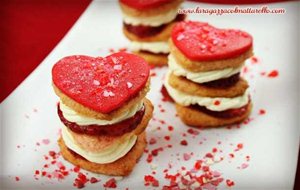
103	110
204	74
148	24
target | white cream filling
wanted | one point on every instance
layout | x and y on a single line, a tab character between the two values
200	77
108	155
187	99
156	20
74	117
154	47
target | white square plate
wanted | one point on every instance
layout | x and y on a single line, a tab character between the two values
30	125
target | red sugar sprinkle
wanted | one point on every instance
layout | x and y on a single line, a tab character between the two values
149	158
82	177
111	183
170	128
209	155
186	156
37	172
193	131
46	141
148	179
52	153
254	60
198	164
17	178
205	168
78	184
214	150
152	141
154	152
44	173
167	138
262	112
229	183
184	143
76	169
273	74
248	158
245	69
217	102
244	166
231	155
240	146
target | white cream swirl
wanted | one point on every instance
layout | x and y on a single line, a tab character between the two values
154	47
72	116
200	77
156	20
187	99
108	155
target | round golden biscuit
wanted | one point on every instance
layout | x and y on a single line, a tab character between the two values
184	85
163	35
121	167
199	119
201	66
160	10
85	111
157	60
97	143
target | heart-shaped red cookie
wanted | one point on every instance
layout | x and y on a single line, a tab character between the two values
101	84
202	42
144	4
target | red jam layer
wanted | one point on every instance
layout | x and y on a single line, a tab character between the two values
200	41
222	114
166	95
147	31
116	129
223	83
143	5
102	84
149	52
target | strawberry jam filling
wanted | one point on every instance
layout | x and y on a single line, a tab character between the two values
166	95
116	129
223	83
147	31
149	52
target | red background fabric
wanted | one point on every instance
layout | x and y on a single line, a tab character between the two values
30	29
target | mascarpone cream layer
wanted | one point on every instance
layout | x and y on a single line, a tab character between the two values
208	102
110	154
75	117
156	20
200	77
153	47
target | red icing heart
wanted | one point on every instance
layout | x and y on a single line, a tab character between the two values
202	42
144	4
101	84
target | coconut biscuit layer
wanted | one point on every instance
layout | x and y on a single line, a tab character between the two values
85	111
